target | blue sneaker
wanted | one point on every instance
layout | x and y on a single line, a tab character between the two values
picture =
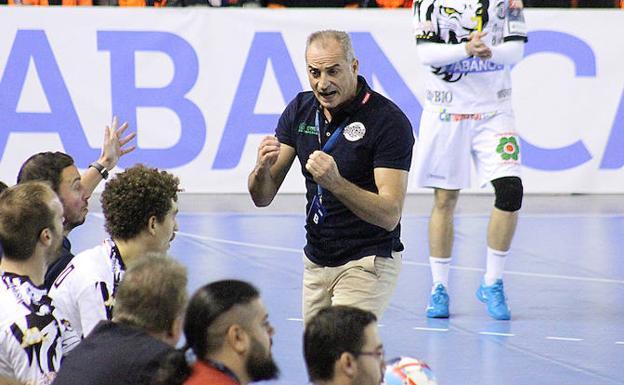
494	297
438	303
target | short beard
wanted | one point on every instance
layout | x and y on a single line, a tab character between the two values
69	226
260	365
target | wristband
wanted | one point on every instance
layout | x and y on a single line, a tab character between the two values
101	169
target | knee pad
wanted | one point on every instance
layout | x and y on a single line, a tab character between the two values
509	193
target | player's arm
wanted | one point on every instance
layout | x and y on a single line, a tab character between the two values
509	52
113	148
437	54
272	164
382	209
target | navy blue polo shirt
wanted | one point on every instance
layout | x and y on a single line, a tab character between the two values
383	138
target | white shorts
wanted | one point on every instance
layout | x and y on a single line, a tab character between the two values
447	142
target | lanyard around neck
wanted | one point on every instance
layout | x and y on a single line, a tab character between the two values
331	142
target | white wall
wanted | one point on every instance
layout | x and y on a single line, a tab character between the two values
202	86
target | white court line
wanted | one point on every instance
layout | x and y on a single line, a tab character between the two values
295	319
564	339
431	329
421	264
619	342
497	334
253	245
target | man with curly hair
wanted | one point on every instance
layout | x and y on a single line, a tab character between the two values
140	207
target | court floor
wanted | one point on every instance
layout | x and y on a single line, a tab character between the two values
564	280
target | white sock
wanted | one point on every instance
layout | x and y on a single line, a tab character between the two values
495	265
440	270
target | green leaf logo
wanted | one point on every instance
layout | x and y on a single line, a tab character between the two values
508	148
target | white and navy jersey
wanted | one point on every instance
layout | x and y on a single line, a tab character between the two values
470	85
85	290
34	336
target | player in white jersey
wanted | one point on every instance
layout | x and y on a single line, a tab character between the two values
466	48
140	208
34	336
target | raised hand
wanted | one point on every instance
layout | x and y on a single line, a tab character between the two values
114	146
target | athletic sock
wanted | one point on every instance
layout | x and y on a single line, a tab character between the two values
440	270
495	265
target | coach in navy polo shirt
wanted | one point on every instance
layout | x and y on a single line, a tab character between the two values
355	150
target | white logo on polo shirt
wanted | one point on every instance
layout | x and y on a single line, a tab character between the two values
354	131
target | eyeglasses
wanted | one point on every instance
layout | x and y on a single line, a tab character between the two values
379	354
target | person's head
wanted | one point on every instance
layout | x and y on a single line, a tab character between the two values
332	68
59	171
152	296
31	221
142	201
229	317
343	342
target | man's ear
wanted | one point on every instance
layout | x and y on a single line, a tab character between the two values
238	338
356	66
175	332
45	237
151	224
346	365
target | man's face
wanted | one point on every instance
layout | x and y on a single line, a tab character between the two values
165	230
260	365
56	230
371	365
333	79
73	197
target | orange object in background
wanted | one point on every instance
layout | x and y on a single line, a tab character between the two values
394	3
142	3
45	3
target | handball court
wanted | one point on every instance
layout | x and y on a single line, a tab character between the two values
564	280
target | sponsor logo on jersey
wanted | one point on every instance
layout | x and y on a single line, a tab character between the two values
472	65
306	129
508	148
504	93
450	117
439	97
354	131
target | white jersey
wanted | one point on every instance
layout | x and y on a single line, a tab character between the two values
33	334
85	290
470	85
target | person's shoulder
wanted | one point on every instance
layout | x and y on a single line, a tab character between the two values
302	100
386	107
93	259
85	267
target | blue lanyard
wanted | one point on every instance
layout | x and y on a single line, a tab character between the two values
329	145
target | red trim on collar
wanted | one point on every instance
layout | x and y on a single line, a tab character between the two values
365	98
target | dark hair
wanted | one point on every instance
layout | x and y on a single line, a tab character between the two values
24	213
45	166
135	195
206	306
3	186
332	331
152	294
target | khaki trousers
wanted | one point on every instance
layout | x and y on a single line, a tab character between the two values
366	283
